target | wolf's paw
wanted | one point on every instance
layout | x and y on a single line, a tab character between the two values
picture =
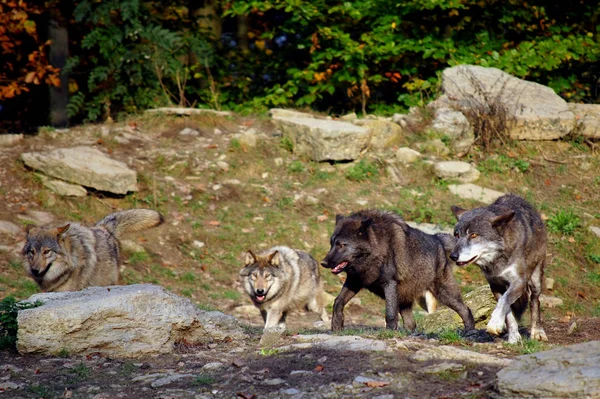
496	325
538	334
514	338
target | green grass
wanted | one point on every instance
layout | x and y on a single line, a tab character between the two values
188	277
81	371
187	292
527	346
593	277
296	167
389	334
449	336
362	171
204	379
287	144
41	391
138	257
235	144
564	222
269	351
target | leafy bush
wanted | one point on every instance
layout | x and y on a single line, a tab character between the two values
564	222
9	310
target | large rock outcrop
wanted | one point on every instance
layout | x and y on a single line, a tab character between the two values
85	166
118	321
568	372
534	111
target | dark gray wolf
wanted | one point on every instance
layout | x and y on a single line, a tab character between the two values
71	257
507	240
282	279
380	252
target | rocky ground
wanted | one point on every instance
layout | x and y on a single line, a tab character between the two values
228	184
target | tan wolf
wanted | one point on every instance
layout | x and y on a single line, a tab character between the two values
71	257
282	279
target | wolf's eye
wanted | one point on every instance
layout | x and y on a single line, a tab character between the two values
267	276
473	235
456	234
46	251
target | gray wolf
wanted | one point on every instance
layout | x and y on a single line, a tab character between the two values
71	257
380	252
507	240
282	279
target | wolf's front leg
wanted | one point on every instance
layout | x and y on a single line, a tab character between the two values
273	319
497	321
348	292
390	290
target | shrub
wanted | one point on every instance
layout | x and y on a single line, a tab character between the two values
564	222
9	310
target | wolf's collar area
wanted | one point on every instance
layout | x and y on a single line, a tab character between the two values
466	262
339	268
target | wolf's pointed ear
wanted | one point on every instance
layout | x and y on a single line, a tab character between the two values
274	259
503	218
339	218
457	211
365	223
62	230
250	258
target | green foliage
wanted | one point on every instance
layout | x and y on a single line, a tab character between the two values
9	310
296	167
287	144
449	336
204	379
363	170
564	222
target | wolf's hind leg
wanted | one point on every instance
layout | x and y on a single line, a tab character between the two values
407	316
449	295
535	286
316	305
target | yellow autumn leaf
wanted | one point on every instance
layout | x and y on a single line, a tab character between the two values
260	44
393	25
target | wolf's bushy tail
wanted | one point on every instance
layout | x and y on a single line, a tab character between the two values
130	221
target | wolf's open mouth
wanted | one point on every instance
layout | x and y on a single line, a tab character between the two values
260	298
467	262
339	268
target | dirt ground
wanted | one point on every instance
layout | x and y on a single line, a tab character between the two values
215	214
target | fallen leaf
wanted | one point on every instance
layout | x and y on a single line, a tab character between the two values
214	223
319	368
322	218
571	239
376	384
581	295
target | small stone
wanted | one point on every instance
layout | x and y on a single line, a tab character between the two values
349	117
549	282
300	372
290	391
595	230
217	132
572	328
198	244
224	166
461	171
217	187
232	182
362	202
130	246
311	200
278	161
274	381
407	155
189	132
549	301
39	218
213	366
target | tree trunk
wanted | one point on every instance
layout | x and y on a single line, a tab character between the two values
59	96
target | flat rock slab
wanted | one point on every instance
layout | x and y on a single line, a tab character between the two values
588	119
277	113
407	155
567	372
187	111
536	111
85	166
457	354
118	321
62	187
339	342
474	192
456	170
7	140
595	230
324	140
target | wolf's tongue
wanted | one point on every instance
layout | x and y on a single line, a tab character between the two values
260	298
339	267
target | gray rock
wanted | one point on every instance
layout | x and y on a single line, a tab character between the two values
452	353
383	134
434	146
277	113
86	166
443	368
588	119
9	386
567	372
324	140
595	230
430	228
290	391
407	155
474	192
549	301
7	140
274	381
161	382
549	283
456	170
481	302
62	187
345	342
189	132
9	228
349	117
455	125
118	321
187	111
130	246
538	112
224	166
213	366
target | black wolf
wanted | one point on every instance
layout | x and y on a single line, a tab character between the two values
380	252
507	240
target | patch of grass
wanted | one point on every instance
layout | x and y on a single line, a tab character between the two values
287	144
138	257
449	336
127	369
231	294
9	310
564	222
521	165
81	371
206	307
42	391
593	277
389	334
527	346
451	375
593	258
296	167
204	379
269	351
188	277
187	292
64	353
235	144
363	170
